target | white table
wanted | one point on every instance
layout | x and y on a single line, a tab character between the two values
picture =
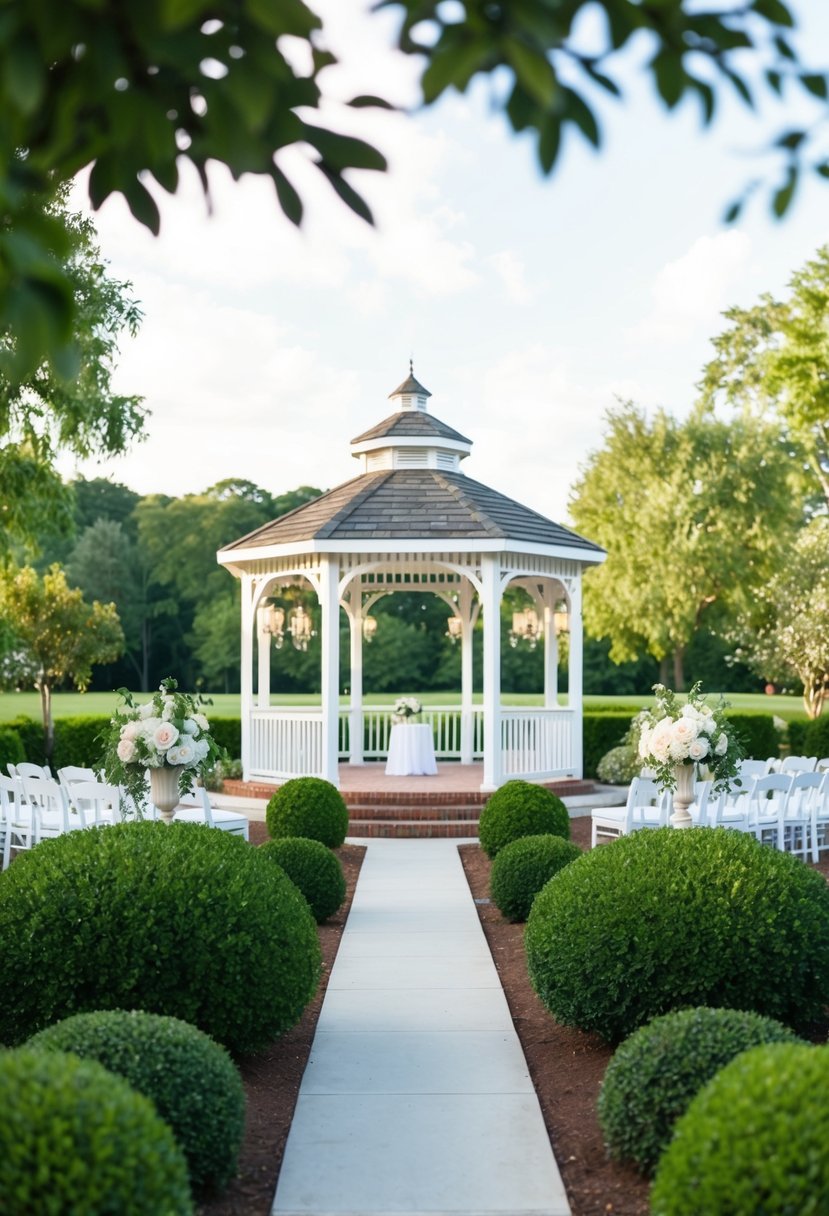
411	751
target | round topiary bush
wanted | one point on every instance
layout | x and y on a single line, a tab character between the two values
191	1080
666	919
523	867
314	869
619	766
753	1140
181	920
517	809
656	1072
309	807
76	1138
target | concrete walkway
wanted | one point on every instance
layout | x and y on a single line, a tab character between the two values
416	1098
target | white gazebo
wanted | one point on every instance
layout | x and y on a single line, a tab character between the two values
411	521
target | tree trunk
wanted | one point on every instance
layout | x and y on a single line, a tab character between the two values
45	690
663	670
679	669
145	655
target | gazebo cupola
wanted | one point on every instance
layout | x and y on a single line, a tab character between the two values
411	438
410	521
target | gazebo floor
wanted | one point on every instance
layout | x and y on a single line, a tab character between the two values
448	804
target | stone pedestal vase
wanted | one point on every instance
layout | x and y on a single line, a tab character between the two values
164	789
686	775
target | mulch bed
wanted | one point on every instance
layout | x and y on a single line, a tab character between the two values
566	1066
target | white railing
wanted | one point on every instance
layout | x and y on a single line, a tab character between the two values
445	721
286	743
537	742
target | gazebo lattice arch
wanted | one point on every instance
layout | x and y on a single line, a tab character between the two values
411	522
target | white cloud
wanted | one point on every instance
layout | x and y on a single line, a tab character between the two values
690	292
512	272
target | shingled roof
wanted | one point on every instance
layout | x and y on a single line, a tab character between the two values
413	504
415	423
410	386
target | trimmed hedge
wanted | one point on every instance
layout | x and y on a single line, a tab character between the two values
753	1141
523	867
77	741
757	732
600	733
180	920
655	1074
309	807
796	729
11	748
314	869
31	736
816	737
191	1080
75	1138
227	732
517	809
661	920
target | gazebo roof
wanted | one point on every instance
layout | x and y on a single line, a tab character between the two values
414	423
412	504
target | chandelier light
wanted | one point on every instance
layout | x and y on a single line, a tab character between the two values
561	618
301	627
369	628
273	622
526	627
454	628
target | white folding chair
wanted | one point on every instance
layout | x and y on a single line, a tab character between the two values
71	773
50	808
725	811
798	764
195	808
645	808
822	765
16	818
24	769
97	803
698	809
767	806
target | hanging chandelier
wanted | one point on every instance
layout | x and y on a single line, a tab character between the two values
454	628
526	627
301	627
273	622
369	628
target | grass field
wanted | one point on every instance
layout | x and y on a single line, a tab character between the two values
70	704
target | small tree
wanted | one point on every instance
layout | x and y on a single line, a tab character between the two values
52	634
792	636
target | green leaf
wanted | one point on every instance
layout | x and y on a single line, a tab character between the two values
521	110
791	140
250	93
782	198
142	205
816	84
822	169
549	143
24	77
289	200
366	100
279	17
347	193
578	112
454	67
175	14
604	82
533	70
344	151
774	11
734	211
706	95
784	50
670	78
738	83
774	81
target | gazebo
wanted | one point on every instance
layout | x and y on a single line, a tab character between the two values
411	521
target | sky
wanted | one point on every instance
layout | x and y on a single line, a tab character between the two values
529	305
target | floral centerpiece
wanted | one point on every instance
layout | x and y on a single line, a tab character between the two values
169	733
405	708
678	737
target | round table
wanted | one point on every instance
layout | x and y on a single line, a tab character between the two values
411	751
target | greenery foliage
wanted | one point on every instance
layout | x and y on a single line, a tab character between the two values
32	736
76	1138
753	1140
77	741
309	807
517	809
523	867
656	1072
662	919
180	920
619	766
191	1080
816	737
758	735
601	732
313	868
11	748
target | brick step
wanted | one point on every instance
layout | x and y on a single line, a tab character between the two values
412	828
366	811
411	798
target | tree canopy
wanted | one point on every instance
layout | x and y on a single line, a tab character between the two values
131	90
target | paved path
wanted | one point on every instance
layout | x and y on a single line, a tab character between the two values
416	1098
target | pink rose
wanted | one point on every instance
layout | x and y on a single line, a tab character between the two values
165	735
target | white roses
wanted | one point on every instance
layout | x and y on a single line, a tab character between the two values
674	733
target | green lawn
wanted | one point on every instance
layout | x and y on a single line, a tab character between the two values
70	704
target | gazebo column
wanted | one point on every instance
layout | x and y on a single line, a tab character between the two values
263	653
246	675
355	717
330	684
491	604
574	666
550	650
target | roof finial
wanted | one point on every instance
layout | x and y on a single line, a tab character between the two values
411	365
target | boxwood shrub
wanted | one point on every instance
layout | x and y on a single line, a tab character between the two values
664	919
77	741
660	1068
31	736
227	732
753	1140
11	748
816	737
75	1138
309	807
191	1080
601	732
796	732
757	732
517	809
523	867
181	920
314	869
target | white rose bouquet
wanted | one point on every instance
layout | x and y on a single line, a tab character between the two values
675	733
168	731
405	708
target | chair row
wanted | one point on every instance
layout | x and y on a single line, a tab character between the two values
36	807
787	810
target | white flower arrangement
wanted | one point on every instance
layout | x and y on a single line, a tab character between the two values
674	733
168	731
405	708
